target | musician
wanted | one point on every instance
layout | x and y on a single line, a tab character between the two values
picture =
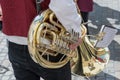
85	6
18	15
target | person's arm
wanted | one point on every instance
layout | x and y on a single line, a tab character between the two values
66	12
0	13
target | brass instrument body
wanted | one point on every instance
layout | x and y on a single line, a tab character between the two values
48	40
47	37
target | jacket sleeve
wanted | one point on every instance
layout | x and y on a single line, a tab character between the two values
66	12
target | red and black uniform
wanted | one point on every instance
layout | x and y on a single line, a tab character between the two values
85	7
17	17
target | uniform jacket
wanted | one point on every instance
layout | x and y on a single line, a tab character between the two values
21	13
85	5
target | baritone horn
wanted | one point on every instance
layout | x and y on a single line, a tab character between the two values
48	45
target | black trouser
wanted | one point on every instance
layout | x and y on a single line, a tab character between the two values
85	19
26	69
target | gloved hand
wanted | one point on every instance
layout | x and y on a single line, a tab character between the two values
73	46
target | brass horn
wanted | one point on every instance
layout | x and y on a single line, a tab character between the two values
48	43
90	60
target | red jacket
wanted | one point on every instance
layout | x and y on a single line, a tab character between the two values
18	15
85	5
